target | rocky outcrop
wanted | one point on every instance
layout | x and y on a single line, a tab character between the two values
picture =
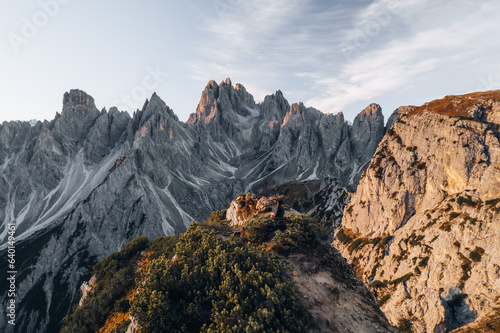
85	288
423	226
247	205
82	185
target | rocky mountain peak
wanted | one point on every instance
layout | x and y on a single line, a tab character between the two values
157	105
78	99
245	97
372	110
209	95
275	105
368	128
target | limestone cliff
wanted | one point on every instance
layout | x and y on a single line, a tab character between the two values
423	227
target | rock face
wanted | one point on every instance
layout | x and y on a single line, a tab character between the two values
337	300
324	199
82	185
423	228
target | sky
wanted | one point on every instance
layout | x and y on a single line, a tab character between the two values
335	56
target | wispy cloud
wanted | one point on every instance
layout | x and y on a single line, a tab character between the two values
266	45
243	28
340	54
396	64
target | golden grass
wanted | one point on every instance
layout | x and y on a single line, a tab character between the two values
458	106
113	320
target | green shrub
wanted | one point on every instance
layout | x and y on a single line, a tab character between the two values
423	262
401	279
134	246
121	327
492	202
218	217
217	221
218	286
405	326
466	268
476	254
123	305
258	228
163	246
446	226
384	242
357	244
342	237
302	233
114	276
466	200
421	166
378	284
415	240
116	260
382	300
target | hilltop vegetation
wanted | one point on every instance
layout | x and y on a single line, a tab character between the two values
213	285
198	282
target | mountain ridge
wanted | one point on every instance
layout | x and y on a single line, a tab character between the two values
82	185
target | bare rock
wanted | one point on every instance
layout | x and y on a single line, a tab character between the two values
423	227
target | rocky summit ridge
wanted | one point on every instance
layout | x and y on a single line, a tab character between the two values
83	184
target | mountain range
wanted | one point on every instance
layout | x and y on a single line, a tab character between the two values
82	185
414	203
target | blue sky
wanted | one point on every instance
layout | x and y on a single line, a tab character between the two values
332	55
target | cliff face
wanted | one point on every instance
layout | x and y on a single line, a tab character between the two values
423	227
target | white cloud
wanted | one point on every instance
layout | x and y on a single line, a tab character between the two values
337	55
397	64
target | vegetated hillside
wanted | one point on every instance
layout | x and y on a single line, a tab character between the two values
80	186
423	227
261	275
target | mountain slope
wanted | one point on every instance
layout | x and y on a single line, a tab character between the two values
295	282
423	228
82	185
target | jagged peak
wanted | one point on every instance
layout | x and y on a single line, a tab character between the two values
145	105
155	99
371	110
297	108
224	93
77	97
157	105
